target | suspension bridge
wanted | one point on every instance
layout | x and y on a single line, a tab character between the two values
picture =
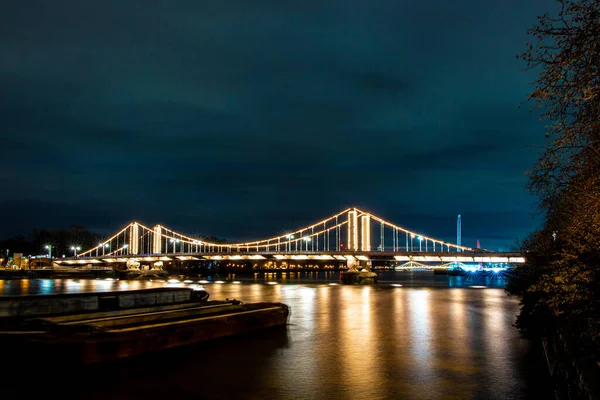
347	236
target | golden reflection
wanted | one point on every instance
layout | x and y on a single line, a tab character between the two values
359	357
496	336
366	305
421	329
399	317
257	290
453	358
307	305
459	330
324	317
24	286
136	284
459	333
104	286
400	355
215	290
276	290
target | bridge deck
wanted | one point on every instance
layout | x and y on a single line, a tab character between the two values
444	257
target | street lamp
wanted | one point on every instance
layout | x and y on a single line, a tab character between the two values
420	241
289	243
49	247
307	239
75	250
174	242
125	246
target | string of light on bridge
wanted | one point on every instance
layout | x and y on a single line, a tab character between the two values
413	234
306	235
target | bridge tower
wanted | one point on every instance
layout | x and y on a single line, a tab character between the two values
156	245
352	230
134	238
458	232
365	232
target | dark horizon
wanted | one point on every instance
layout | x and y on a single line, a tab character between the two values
245	120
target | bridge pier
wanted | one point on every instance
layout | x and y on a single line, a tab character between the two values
365	232
157	244
355	264
352	230
134	239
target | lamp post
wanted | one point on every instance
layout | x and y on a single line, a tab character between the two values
75	250
289	243
49	247
174	241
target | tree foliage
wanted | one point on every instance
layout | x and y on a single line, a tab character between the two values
559	284
61	241
567	50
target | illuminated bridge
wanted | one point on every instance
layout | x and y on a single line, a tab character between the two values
352	236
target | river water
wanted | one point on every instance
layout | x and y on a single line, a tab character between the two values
411	336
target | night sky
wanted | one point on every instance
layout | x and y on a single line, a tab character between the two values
243	119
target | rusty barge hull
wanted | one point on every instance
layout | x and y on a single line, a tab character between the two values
123	342
93	337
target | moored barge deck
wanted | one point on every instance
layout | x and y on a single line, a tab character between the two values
95	336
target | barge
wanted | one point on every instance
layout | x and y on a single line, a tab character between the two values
94	336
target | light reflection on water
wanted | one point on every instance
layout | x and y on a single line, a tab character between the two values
342	342
390	278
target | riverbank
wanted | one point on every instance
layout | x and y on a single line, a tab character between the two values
573	377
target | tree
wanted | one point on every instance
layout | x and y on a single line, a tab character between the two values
567	50
560	283
61	241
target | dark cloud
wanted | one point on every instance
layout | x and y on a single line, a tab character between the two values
243	119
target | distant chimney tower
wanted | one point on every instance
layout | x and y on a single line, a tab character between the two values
458	232
478	244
